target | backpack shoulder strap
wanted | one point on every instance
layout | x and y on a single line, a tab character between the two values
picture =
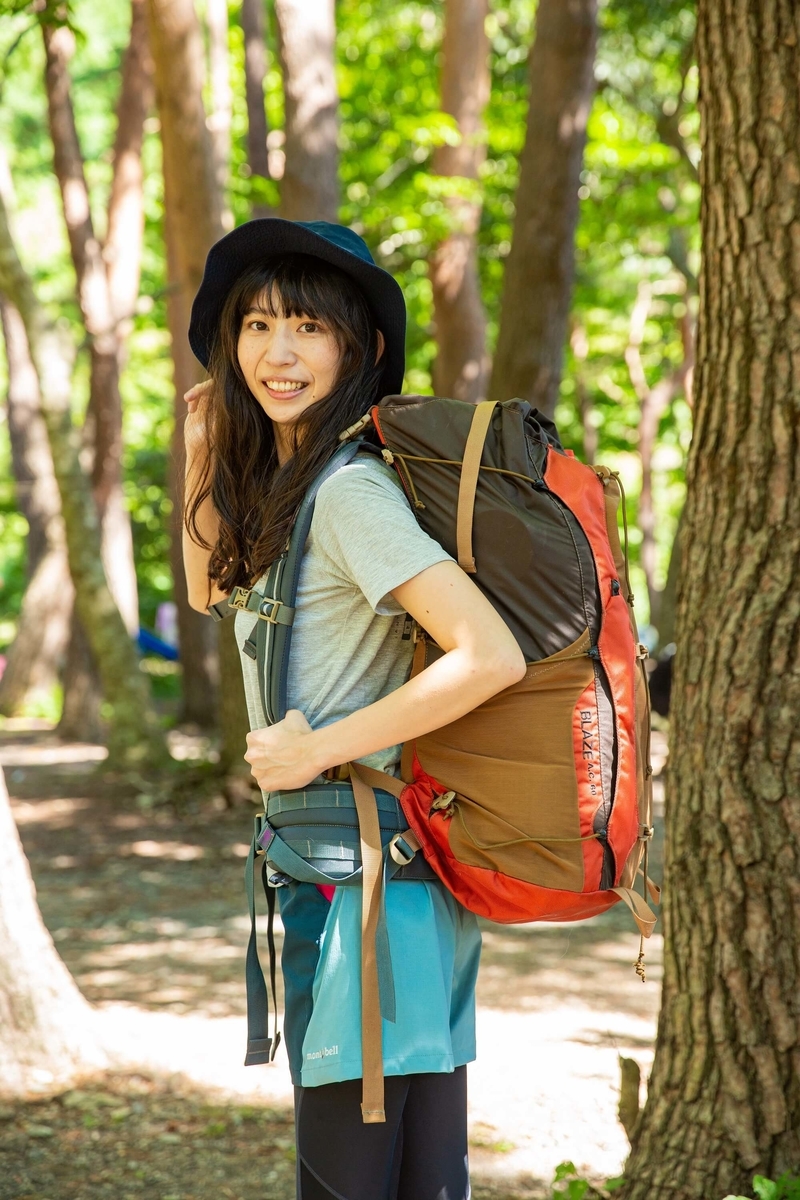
270	642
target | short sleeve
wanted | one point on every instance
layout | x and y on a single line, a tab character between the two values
364	524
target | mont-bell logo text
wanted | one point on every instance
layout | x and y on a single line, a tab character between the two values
325	1052
589	746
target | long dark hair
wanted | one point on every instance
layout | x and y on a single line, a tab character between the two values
256	499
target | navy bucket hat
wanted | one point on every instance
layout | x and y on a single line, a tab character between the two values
270	237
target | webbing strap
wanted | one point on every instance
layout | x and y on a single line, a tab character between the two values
643	915
372	1098
261	1048
470	468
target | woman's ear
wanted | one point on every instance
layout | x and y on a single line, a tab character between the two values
381	345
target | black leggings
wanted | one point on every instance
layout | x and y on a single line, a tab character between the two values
420	1153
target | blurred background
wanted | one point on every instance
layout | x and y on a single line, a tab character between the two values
531	182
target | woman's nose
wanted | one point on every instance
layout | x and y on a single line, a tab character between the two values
278	350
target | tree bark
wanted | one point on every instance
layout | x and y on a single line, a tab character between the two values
122	251
219	119
255	74
724	1099
94	294
461	369
654	402
43	627
193	223
46	1036
134	737
537	287
306	44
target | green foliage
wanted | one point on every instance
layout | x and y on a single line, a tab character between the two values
638	222
785	1188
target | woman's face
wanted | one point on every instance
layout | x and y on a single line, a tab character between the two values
288	363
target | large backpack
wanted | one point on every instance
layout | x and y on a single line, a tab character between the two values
537	804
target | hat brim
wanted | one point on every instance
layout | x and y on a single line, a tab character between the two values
267	237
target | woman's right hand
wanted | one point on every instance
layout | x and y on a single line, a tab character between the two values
197	394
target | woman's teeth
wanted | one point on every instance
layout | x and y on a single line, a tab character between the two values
284	385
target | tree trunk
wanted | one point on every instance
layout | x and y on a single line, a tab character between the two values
193	222
654	402
38	648
46	1036
537	287
94	294
724	1099
306	43
461	369
255	74
134	737
123	245
197	634
219	119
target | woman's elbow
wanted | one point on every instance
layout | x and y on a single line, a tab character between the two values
506	667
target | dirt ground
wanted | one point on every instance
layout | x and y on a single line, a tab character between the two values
144	900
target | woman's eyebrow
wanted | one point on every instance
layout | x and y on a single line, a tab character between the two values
257	308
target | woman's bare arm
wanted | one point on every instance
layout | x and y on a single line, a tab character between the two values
195	556
481	658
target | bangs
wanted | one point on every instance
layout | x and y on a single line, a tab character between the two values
298	285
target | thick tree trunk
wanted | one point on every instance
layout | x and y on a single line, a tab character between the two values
255	73
461	368
306	43
193	223
46	1036
38	648
724	1097
134	737
105	404
537	287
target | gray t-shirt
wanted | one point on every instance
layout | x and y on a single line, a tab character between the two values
347	646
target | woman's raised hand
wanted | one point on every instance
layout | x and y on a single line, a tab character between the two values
197	394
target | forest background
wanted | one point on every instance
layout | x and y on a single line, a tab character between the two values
629	340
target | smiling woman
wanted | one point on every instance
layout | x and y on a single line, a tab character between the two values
303	346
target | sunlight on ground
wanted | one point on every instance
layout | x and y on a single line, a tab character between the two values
146	908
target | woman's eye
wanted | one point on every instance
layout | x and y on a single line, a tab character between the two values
310	327
258	326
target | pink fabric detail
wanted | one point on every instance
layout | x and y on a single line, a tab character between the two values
327	890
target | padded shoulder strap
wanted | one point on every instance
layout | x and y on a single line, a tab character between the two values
272	640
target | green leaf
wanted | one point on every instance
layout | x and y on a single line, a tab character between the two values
564	1171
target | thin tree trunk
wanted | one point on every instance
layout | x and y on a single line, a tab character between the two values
43	627
94	294
537	288
654	402
461	369
193	223
306	43
133	732
123	245
219	119
255	74
46	1035
580	349
724	1101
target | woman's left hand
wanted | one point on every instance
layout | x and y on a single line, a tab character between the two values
280	757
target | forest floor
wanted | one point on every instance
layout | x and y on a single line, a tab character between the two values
144	900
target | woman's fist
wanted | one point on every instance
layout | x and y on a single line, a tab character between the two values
281	757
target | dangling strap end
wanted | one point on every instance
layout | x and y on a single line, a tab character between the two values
468	565
373	1116
258	1052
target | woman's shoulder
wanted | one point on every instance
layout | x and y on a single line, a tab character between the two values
366	478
